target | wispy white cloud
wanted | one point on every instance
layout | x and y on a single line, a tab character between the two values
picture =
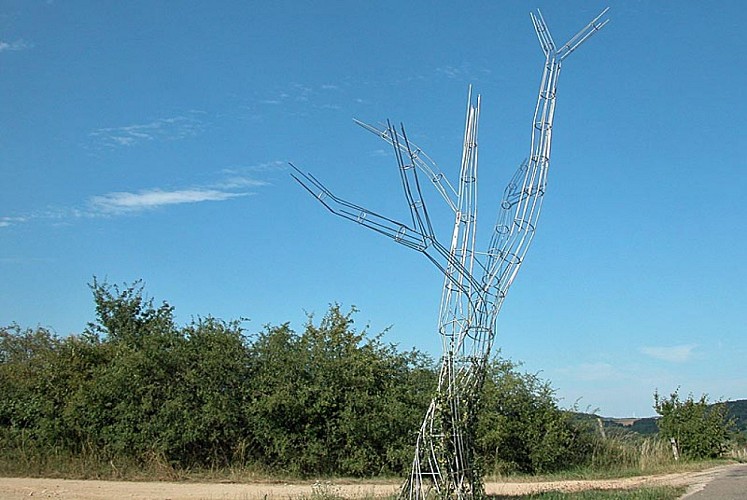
297	96
673	354
164	129
382	153
302	92
276	99
10	221
270	166
53	215
128	202
227	184
14	46
464	71
450	72
238	182
241	177
231	183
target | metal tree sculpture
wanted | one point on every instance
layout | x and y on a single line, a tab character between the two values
476	283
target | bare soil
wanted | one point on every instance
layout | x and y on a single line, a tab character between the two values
24	488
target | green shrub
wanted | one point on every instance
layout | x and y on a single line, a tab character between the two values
700	430
521	427
137	388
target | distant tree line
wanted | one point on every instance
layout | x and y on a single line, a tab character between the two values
331	400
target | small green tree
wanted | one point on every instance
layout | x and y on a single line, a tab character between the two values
125	315
700	430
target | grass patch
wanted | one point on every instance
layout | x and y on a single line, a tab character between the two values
652	493
328	492
89	464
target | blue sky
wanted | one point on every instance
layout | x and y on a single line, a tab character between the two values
150	140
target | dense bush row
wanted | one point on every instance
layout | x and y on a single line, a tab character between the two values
330	400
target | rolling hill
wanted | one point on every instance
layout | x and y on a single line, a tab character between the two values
647	426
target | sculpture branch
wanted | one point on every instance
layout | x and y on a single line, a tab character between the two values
475	283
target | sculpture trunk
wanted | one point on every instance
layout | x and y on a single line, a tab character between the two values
475	283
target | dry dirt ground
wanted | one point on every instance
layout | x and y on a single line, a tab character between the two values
25	488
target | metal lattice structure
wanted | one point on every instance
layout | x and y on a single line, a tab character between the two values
475	283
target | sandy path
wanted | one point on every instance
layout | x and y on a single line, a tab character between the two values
690	479
24	488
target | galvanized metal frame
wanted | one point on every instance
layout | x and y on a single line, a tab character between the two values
475	283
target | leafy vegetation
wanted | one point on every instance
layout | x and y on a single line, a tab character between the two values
134	386
699	430
135	392
523	430
646	426
737	411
